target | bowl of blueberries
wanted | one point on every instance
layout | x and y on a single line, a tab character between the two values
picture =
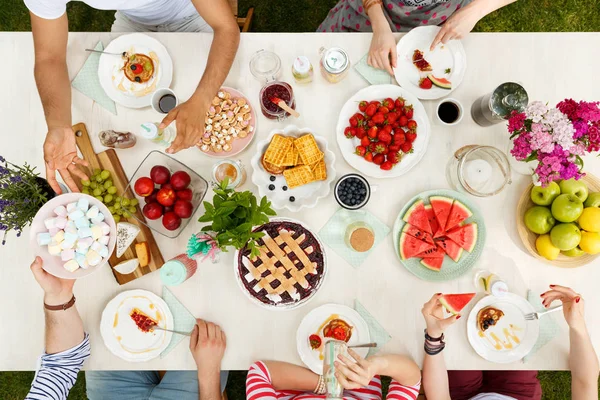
352	191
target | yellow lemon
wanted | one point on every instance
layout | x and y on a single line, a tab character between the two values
545	248
590	219
590	242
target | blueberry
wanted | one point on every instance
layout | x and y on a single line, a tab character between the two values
292	199
271	187
272	178
485	326
133	67
137	79
285	188
492	322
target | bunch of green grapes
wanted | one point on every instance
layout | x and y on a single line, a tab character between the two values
100	185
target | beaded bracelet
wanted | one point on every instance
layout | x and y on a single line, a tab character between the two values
370	3
431	339
434	346
321	388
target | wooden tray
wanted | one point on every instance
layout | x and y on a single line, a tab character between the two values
108	160
528	238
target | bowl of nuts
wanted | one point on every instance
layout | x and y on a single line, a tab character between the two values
230	124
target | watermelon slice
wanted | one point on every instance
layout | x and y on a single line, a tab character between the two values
417	233
454	303
453	250
417	216
435	226
465	236
410	246
434	264
432	253
441	208
458	214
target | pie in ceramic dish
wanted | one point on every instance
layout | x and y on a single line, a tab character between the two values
289	270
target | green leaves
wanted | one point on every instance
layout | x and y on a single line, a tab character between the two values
233	215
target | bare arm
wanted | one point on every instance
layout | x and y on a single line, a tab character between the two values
286	376
207	345
190	115
382	53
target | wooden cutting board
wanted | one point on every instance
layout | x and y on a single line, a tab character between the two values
109	161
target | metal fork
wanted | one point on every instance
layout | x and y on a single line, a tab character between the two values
169	330
372	344
123	54
538	315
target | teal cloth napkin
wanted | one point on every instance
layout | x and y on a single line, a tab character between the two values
183	320
548	326
373	75
378	333
334	231
87	81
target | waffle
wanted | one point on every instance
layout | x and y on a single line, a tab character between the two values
308	149
278	149
319	170
271	168
298	176
292	157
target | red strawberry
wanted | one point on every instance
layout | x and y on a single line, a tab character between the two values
392	117
384	137
425	83
393	157
369	157
361	132
362	106
386	166
372	132
389	103
399	138
378	118
360	150
378	159
399	103
370	123
359	117
376	103
409	111
406	147
350	132
403	120
412	125
353	121
393	148
411	136
383	110
365	141
381	148
371	110
387	129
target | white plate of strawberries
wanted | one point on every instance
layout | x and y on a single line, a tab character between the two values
383	131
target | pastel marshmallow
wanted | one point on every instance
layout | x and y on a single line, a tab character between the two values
71	237
96	232
71	227
84	233
50	223
44	238
82	222
81	250
99	218
86	242
58	237
71	207
83	204
71	266
53	231
81	260
60	222
75	215
67	254
61	211
67	244
93	258
105	228
104	240
92	212
103	251
54	249
96	247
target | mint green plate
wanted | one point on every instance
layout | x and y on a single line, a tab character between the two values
450	269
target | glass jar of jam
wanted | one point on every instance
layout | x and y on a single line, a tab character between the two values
280	90
335	64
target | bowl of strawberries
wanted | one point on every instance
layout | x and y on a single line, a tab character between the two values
383	131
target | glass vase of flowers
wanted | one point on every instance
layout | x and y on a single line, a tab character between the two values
555	139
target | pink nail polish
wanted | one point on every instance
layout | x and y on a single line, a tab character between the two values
577	299
458	317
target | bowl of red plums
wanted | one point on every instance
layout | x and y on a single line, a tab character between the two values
169	193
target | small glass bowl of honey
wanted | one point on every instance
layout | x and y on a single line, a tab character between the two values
229	169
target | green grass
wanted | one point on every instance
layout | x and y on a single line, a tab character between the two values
305	16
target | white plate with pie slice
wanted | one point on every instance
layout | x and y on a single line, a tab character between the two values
317	320
121	334
512	337
447	61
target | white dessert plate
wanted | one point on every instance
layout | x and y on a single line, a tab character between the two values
122	336
315	321
348	146
120	89
450	55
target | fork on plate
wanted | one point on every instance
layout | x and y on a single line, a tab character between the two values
537	315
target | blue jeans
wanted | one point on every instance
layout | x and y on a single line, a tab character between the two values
144	385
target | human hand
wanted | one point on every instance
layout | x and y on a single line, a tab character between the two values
356	374
57	291
573	304
434	317
60	154
458	25
207	344
383	48
189	117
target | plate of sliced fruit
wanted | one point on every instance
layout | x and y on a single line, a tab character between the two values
439	235
429	74
383	131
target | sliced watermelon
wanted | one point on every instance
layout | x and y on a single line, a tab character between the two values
435	226
432	253
458	214
465	236
417	233
440	233
434	264
417	216
410	246
441	207
454	303
453	250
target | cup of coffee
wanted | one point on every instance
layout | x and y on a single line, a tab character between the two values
449	111
164	100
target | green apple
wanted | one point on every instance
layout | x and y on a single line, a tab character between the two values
539	220
574	252
567	208
544	196
593	200
577	188
565	236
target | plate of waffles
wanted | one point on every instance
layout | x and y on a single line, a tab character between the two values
290	269
126	325
230	124
444	66
498	331
329	322
131	79
293	168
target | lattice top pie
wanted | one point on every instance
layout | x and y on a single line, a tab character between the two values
290	266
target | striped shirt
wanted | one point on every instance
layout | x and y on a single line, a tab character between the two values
259	387
57	373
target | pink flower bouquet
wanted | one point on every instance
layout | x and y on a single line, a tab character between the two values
556	137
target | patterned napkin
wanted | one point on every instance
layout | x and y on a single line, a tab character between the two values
548	326
183	320
87	81
378	333
373	75
335	229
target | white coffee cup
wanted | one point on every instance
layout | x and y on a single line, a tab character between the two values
158	94
454	102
